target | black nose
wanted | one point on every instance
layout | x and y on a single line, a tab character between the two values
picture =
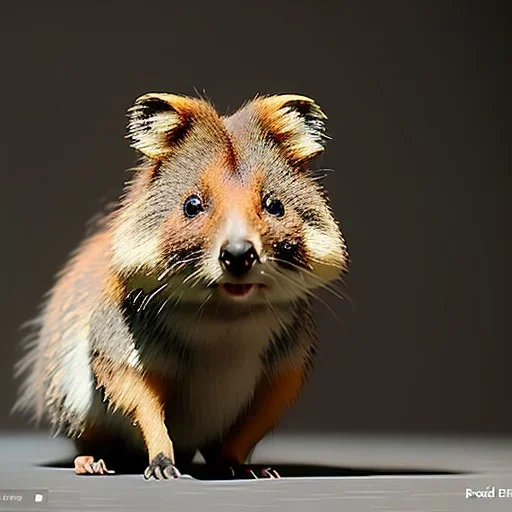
238	257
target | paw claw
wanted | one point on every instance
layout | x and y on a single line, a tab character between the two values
171	472
161	468
242	472
270	473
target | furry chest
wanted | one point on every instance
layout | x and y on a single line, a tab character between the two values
209	398
218	383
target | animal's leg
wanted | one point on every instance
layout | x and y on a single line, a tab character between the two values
139	397
272	396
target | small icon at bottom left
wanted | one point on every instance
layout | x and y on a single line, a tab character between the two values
25	499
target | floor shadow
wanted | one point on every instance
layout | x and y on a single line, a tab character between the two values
291	470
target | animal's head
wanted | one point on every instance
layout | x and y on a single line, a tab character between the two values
227	206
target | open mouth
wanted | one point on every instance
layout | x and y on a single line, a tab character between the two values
239	289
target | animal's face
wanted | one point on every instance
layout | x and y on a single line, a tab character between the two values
225	207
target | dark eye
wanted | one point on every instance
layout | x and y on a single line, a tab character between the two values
273	206
193	206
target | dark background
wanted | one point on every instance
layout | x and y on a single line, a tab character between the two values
418	106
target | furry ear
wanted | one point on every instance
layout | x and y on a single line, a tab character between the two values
296	123
159	121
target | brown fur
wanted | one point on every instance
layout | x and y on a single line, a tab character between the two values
272	396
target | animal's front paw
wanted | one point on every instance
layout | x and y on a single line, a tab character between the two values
241	472
161	468
86	465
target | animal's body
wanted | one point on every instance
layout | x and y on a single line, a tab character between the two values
184	322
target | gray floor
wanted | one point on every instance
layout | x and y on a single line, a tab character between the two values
385	473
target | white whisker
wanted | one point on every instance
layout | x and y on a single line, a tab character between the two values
151	296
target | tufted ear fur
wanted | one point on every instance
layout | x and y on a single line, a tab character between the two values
157	122
295	123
